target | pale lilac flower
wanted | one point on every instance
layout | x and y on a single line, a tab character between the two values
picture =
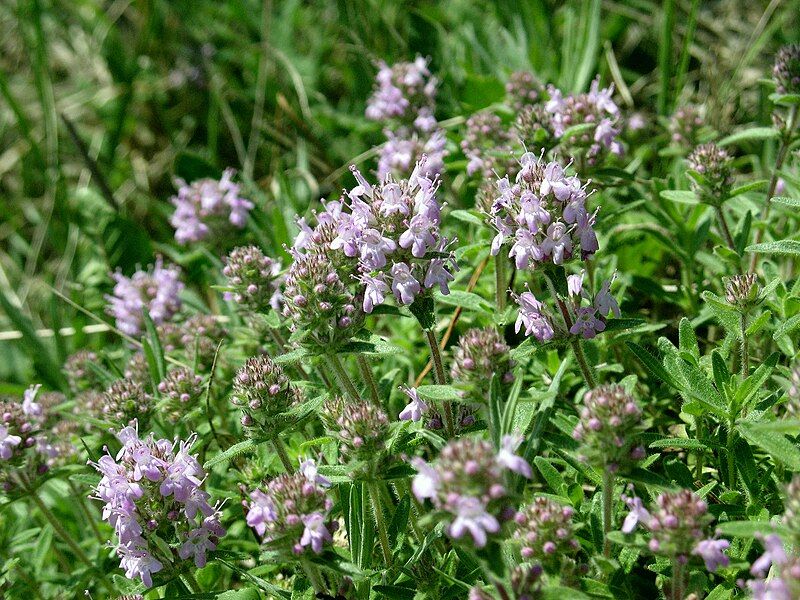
414	409
532	212
532	317
638	514
8	442
426	482
30	407
374	247
712	553
197	543
260	512
507	457
604	302
375	289
404	286
557	244
525	249
139	563
315	533
472	518
774	553
419	235
309	470
575	284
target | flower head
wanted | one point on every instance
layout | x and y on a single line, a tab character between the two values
254	279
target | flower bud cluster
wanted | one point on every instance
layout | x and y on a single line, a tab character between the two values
609	428
156	292
742	290
137	369
292	511
208	206
79	374
786	71
200	335
468	480
523	89
254	279
715	166
126	400
543	215
487	145
405	100
678	528
152	490
544	529
359	425
481	354
685	124
181	389
264	393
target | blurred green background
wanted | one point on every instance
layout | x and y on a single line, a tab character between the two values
103	103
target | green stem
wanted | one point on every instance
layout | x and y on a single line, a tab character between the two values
676	591
280	449
726	231
314	576
773	182
64	535
366	373
731	462
577	348
699	432
608	499
342	377
500	281
745	349
438	371
380	521
86	512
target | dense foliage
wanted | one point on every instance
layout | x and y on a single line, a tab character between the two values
365	300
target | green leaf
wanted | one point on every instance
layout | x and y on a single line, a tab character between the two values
777	446
750	529
423	309
552	476
190	166
683	443
752	385
241	594
787	327
687	340
749	187
159	364
440	393
651	363
724	312
467	216
290	357
753	133
468	300
781	247
790	202
234	451
680	196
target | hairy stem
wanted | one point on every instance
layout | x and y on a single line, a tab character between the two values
608	499
723	225
81	501
438	370
280	449
342	377
731	440
366	373
500	281
188	578
380	521
314	576
745	348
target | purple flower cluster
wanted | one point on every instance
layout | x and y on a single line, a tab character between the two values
608	428
596	109
152	490
181	390
544	529
264	393
155	291
404	99
715	168
468	481
20	425
543	215
125	400
589	320
784	583
786	71
523	89
208	206
685	124
392	230
292	511
79	374
534	317
678	528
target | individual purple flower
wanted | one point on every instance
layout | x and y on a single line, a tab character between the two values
638	514
419	235
315	533
139	563
261	511
774	554
472	518
575	285
586	323
557	244
414	409
8	442
374	247
155	291
533	317
375	289
711	551
526	250
604	302
207	206
404	286
508	459
426	482
309	470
